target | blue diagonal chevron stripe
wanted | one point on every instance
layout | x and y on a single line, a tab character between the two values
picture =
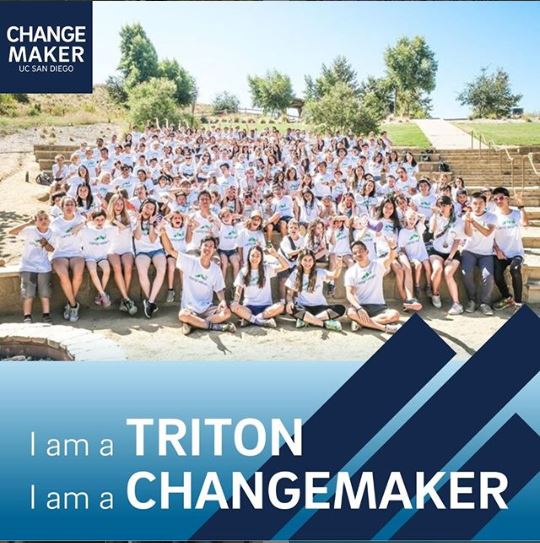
515	451
343	425
462	406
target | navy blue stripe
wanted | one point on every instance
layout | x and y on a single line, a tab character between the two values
442	426
514	451
343	425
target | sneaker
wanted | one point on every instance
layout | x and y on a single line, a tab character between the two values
67	312
331	289
355	326
470	307
392	328
269	245
105	300
229	327
417	291
486	310
270	323
170	296
74	313
456	309
186	329
429	291
412	305
149	309
436	301
131	307
333	325
504	303
300	323
243	323
27	319
124	306
98	300
47	319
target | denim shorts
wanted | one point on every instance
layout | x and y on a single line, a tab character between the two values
152	254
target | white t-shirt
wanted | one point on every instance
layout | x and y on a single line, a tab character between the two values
283	206
34	257
204	228
316	297
66	244
508	233
199	283
411	241
177	237
443	243
228	236
342	246
309	213
74	183
367	281
145	244
478	243
424	204
126	183
286	248
122	238
388	231
96	242
253	294
248	239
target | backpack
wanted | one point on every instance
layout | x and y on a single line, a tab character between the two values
443	167
44	178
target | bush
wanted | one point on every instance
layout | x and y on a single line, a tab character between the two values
225	103
150	100
204	119
22	98
35	110
7	105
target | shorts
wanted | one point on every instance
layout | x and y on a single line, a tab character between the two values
208	312
285	219
227	252
152	254
335	310
96	260
257	309
434	252
374	309
33	283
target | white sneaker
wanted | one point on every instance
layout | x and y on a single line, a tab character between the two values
436	300
270	323
354	326
74	313
456	309
105	300
170	296
186	329
67	311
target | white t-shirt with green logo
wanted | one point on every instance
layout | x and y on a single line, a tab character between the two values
424	204
34	257
411	241
66	244
198	283
508	233
305	297
253	294
248	239
97	242
367	281
478	243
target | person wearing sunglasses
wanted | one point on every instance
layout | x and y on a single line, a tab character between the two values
508	247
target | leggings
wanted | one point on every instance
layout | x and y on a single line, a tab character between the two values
334	311
515	272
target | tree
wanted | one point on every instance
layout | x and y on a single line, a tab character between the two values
116	88
186	88
490	95
151	99
138	57
225	103
273	93
339	71
340	109
377	96
411	69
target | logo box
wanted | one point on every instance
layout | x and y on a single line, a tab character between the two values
46	47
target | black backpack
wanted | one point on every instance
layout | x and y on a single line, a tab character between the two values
443	167
44	178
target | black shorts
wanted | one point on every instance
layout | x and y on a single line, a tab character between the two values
338	309
257	309
374	309
434	252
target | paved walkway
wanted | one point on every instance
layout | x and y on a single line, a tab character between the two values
444	135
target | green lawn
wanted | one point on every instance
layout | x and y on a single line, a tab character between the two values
406	135
506	133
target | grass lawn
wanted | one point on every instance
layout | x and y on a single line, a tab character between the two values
406	135
506	133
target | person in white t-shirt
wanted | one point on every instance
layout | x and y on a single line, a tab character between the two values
305	297
176	228
508	247
35	267
201	278
424	200
67	255
254	283
96	238
364	290
478	252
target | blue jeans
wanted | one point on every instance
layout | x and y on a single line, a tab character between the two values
469	261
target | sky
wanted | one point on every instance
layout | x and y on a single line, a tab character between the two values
220	43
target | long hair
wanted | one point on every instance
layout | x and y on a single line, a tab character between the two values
86	176
260	270
394	217
124	217
312	280
89	199
311	231
451	220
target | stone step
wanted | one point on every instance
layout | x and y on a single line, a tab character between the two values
531	237
532	292
532	262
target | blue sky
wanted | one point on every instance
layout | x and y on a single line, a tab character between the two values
220	43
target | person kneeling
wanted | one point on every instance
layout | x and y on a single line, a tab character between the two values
364	288
254	281
306	285
201	278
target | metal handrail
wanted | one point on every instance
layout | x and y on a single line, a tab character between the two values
530	156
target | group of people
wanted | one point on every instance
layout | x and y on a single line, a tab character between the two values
222	212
